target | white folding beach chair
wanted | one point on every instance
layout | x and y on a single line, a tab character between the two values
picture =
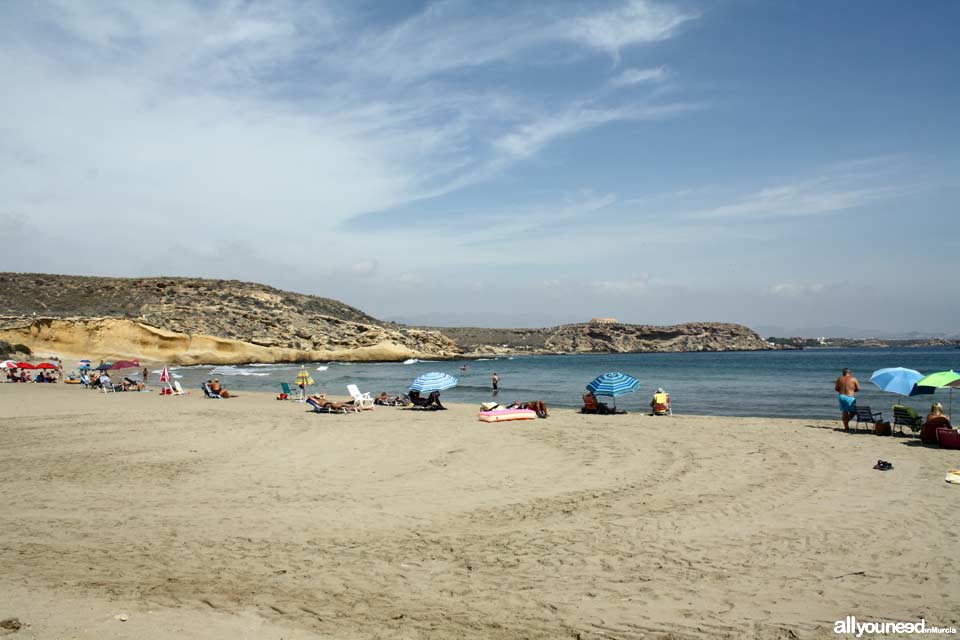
177	389
360	400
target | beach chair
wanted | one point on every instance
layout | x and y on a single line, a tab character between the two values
208	392
866	416
928	432
177	389
360	400
291	394
592	405
107	387
661	404
904	416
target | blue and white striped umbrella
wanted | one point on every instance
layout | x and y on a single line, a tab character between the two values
613	384
433	381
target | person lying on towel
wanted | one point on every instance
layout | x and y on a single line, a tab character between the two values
534	405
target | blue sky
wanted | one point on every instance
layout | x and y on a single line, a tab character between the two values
788	164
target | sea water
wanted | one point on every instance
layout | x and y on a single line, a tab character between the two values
794	384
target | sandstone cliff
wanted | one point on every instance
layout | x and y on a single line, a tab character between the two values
189	320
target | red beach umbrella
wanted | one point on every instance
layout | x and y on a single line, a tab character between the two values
25	365
165	375
125	364
45	365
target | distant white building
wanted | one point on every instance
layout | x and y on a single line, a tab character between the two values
604	321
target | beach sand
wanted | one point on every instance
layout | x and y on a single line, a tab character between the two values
251	518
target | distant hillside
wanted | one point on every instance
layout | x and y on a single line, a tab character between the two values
607	338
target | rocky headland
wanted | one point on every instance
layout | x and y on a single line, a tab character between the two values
192	321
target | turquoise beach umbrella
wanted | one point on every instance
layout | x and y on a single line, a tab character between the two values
898	380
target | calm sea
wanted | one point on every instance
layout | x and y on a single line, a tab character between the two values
796	384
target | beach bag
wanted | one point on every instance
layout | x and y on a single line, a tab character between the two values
882	429
282	396
948	438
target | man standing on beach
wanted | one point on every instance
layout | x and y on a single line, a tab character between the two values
496	381
847	387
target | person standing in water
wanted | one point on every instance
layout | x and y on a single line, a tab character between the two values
846	387
496	381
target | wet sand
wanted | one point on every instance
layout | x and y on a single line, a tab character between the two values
251	518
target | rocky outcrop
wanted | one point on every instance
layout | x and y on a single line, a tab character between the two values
608	338
631	338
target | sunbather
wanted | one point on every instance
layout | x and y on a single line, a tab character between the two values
218	389
387	400
433	400
129	384
320	402
534	405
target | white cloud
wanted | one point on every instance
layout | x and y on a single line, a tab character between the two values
633	23
793	289
639	76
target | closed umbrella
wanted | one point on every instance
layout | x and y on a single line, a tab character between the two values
898	380
166	381
433	381
941	380
303	381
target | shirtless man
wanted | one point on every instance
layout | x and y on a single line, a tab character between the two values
847	387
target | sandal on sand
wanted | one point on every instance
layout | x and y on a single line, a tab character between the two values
883	465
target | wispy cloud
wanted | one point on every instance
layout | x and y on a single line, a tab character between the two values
837	189
449	35
529	138
639	76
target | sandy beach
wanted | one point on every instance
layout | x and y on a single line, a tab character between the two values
252	518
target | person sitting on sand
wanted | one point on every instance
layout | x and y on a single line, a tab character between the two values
320	402
433	400
534	405
387	400
218	389
936	413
